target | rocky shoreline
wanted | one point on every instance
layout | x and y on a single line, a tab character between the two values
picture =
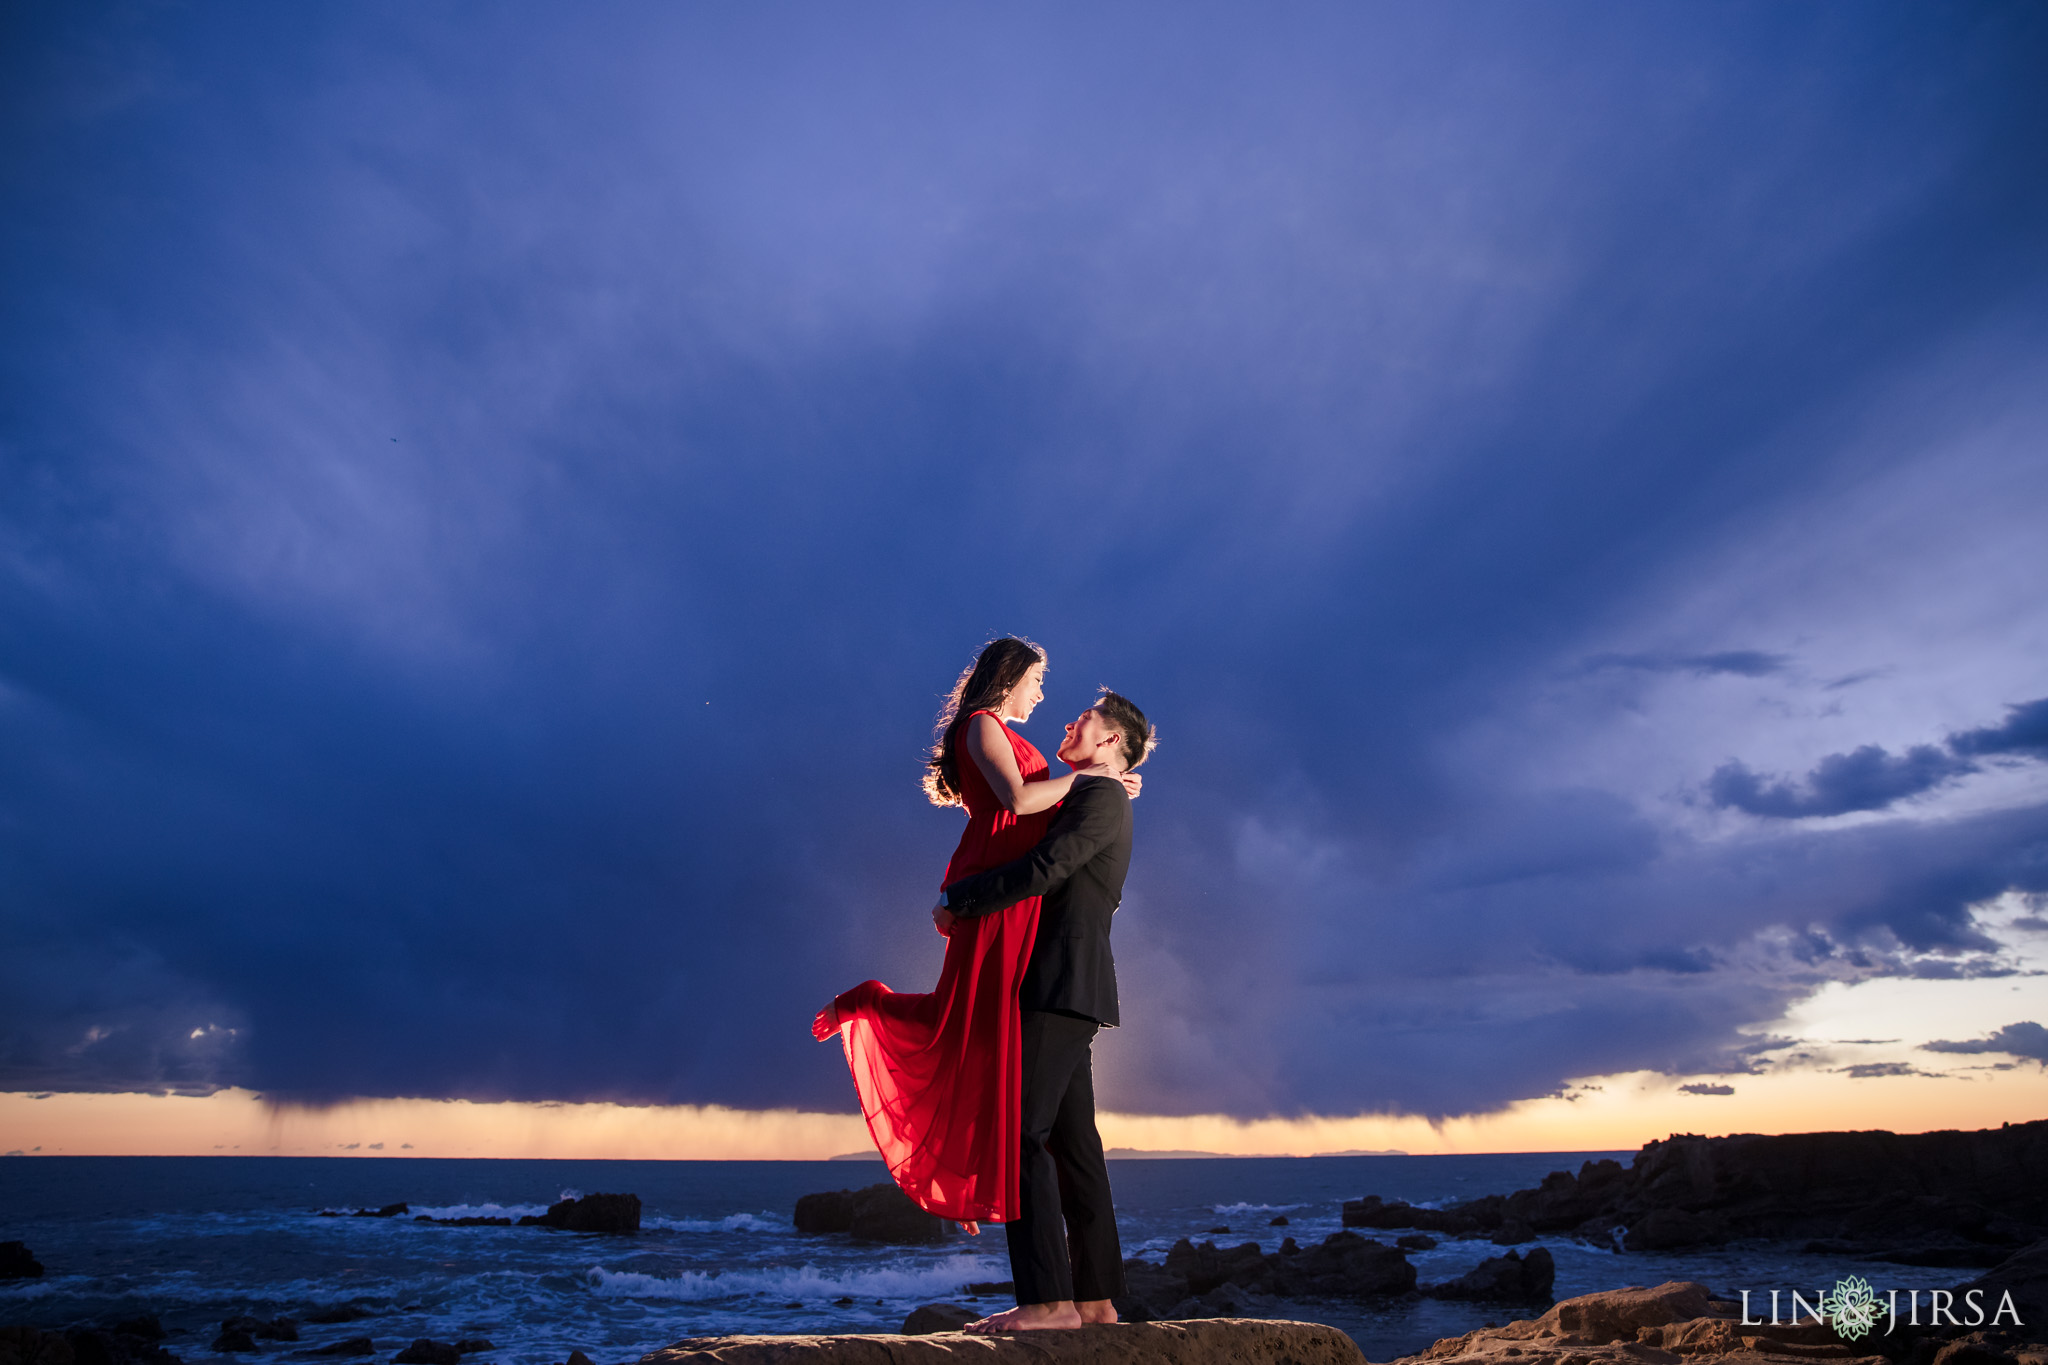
1972	1201
1956	1199
1678	1323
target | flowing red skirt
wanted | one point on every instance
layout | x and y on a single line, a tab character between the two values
941	1075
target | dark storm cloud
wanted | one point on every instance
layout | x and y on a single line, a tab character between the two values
1870	1071
2024	1039
2025	732
1871	778
1867	779
489	500
1743	663
1697	1089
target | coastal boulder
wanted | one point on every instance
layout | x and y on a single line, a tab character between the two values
1206	1266
1620	1314
1344	1266
92	1346
938	1317
337	1312
17	1264
1152	1290
591	1213
1373	1212
879	1213
32	1346
1513	1278
884	1213
1674	1322
353	1346
262	1329
425	1352
830	1211
1669	1229
1222	1341
1226	1301
2024	1276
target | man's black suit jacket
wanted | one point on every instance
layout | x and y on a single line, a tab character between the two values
1078	867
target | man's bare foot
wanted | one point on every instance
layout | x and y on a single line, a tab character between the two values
1028	1317
1094	1311
826	1025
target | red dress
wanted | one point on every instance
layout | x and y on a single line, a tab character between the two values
941	1075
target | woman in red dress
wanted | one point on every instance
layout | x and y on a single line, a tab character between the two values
940	1076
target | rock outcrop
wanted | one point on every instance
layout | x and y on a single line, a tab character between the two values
1681	1323
939	1317
2025	1276
427	1352
1205	1280
879	1213
591	1213
243	1332
352	1346
132	1341
1218	1342
1513	1278
17	1264
1948	1198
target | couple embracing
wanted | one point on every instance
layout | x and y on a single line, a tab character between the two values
980	1095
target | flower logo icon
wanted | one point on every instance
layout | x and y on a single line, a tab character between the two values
1851	1306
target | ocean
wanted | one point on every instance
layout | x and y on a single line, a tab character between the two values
199	1239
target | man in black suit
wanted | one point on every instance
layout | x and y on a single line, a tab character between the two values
1064	1252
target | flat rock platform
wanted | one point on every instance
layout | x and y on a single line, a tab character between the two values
1206	1341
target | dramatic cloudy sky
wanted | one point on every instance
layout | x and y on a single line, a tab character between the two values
490	496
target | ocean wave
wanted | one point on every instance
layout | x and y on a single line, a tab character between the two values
477	1210
1239	1210
732	1222
803	1282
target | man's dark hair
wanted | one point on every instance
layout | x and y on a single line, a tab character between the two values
1140	739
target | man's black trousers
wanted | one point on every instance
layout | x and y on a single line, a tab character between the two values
1064	1244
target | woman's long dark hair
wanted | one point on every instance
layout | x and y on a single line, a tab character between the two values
1000	666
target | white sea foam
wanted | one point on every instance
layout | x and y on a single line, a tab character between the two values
803	1282
1245	1210
477	1210
733	1222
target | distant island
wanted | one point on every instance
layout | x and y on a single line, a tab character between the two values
1125	1153
1140	1153
1358	1151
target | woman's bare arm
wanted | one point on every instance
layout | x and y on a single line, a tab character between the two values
992	753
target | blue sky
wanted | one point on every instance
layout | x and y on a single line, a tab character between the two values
490	497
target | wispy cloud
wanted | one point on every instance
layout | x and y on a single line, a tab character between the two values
1743	663
1867	779
2025	732
2024	1039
